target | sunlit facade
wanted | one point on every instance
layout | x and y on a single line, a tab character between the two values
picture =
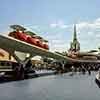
5	56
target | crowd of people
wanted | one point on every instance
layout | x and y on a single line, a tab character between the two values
84	68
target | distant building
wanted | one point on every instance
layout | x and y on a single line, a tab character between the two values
5	56
75	45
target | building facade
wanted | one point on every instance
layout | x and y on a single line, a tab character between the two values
5	56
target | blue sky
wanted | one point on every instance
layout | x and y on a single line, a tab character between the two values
54	19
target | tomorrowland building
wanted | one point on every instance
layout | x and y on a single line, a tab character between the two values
74	51
74	45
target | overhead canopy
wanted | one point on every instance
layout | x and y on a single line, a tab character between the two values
39	37
45	40
17	27
30	33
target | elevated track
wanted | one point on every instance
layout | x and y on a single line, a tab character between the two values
11	45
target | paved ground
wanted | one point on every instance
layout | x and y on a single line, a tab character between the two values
56	87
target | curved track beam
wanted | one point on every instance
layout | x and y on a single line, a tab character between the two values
10	44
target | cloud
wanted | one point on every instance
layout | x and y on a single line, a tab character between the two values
89	25
88	33
60	34
58	24
59	47
53	25
89	30
97	36
97	20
